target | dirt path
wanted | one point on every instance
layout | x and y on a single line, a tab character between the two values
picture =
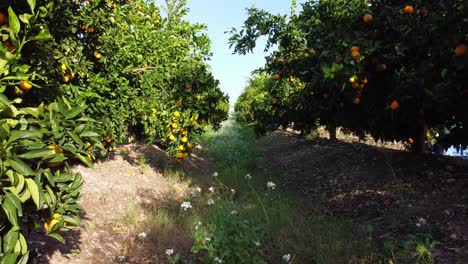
113	189
401	195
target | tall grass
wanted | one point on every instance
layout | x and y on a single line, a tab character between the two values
290	226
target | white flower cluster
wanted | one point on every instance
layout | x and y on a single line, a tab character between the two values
271	185
169	251
142	235
217	260
211	189
186	205
287	258
248	176
215	174
421	222
210	202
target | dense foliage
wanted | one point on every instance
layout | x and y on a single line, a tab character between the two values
393	69
76	79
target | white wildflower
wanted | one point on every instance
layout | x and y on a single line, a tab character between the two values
186	205
198	189
197	225
215	174
210	202
218	260
257	243
142	235
287	257
169	251
421	222
248	176
271	185
208	238
233	212
211	189
233	191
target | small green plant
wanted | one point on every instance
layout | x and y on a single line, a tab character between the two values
143	163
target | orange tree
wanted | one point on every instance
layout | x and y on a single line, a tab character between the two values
372	67
38	140
75	78
146	74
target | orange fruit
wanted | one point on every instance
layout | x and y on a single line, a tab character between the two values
461	50
355	85
90	29
354	48
9	46
184	140
367	18
408	10
355	53
97	55
177	114
364	80
63	67
65	79
361	86
410	140
54	164
381	67
171	137
357	100
25	86
352	79
276	76
394	105
3	19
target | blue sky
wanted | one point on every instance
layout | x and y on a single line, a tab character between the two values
221	15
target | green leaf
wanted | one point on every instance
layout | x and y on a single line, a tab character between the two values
10	211
57	237
13	20
34	190
15	201
32	5
73	112
89	134
24	134
34	154
85	160
9	258
21	167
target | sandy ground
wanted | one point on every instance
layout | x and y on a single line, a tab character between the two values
113	188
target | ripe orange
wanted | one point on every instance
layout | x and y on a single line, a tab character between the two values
276	76
3	19
408	10
361	86
355	53
25	86
367	18
90	29
65	79
355	85
364	80
394	105
381	67
9	46
174	125
97	55
354	48
357	100
461	50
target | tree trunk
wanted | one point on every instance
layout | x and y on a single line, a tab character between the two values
419	145
331	128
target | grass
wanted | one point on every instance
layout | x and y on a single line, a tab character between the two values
248	222
290	227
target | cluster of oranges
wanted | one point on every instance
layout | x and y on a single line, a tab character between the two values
356	53
185	145
68	75
356	84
